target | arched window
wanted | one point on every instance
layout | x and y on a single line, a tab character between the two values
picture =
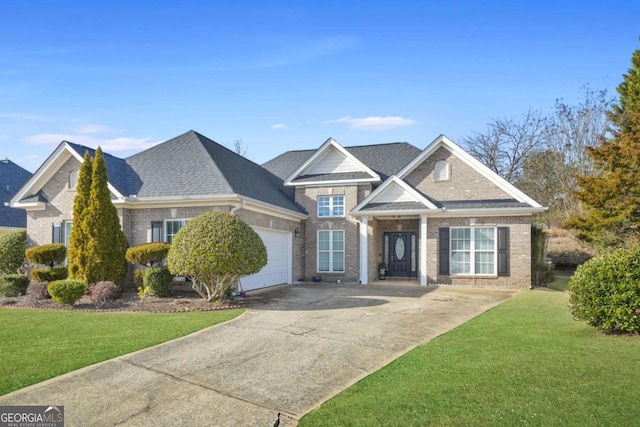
73	179
442	171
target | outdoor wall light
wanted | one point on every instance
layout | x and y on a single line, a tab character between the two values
296	232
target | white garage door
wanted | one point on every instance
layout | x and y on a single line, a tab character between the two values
278	268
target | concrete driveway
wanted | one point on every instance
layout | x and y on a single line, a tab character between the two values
294	348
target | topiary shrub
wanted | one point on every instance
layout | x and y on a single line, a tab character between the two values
12	247
49	255
37	291
157	281
49	274
67	291
13	285
148	253
605	291
214	251
102	292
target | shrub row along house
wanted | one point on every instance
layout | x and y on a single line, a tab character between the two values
437	215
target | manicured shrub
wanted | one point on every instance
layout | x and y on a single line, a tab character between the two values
138	278
67	291
214	251
49	255
12	247
605	291
37	291
148	253
102	292
49	274
157	281
13	285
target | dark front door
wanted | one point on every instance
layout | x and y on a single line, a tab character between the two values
400	250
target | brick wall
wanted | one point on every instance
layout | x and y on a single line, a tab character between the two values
59	208
465	183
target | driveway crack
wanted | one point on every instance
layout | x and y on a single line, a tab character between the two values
182	380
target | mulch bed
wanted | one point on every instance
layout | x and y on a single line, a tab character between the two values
182	300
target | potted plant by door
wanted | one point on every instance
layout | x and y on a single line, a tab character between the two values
382	270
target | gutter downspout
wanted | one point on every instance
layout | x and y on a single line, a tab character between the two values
240	206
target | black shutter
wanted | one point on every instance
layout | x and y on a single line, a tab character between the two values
443	251
56	233
156	231
503	251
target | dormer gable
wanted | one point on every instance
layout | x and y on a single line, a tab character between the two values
331	164
392	197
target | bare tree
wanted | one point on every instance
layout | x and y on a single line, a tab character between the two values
508	143
240	148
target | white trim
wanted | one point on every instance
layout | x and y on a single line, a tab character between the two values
331	252
443	141
318	154
331	182
364	250
331	205
45	172
423	250
405	187
472	251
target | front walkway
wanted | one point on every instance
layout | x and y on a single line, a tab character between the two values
294	348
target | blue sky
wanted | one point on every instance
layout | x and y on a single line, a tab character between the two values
287	75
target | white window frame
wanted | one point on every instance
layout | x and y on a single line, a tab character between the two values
473	251
332	206
166	229
73	179
331	251
442	167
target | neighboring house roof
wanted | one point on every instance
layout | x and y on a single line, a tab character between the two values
12	177
383	159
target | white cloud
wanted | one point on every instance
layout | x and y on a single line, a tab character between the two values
107	144
375	122
94	128
279	126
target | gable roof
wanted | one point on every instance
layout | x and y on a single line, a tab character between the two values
192	165
383	159
503	184
12	177
394	197
189	166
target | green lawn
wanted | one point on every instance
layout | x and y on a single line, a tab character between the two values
526	362
37	345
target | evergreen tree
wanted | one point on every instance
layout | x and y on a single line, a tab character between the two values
612	195
78	238
106	243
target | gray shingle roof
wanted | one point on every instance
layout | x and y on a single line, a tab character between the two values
194	165
333	176
384	159
117	169
396	206
12	177
482	204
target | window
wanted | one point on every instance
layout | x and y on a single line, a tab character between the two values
330	206
61	232
442	171
73	180
171	227
331	251
473	251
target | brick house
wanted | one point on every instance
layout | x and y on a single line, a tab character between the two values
437	215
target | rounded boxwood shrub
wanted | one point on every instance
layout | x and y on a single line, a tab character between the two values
157	281
148	253
49	255
605	291
67	291
49	274
12	247
13	285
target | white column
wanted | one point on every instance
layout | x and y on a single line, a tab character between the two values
364	250
423	250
